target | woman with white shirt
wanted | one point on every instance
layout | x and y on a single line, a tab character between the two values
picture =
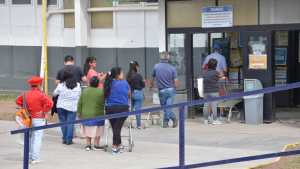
69	92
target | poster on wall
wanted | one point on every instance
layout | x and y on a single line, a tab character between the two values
280	56
257	61
221	16
258	52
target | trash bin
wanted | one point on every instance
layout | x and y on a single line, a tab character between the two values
254	105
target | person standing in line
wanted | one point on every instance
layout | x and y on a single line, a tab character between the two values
89	70
221	67
38	104
137	85
165	76
91	105
69	63
211	79
117	93
68	92
76	70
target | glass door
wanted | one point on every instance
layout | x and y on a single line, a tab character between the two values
200	51
176	47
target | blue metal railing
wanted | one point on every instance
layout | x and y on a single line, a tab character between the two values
182	107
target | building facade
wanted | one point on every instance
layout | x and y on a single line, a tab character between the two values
259	38
113	32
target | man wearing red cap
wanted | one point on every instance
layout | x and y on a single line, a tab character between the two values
38	104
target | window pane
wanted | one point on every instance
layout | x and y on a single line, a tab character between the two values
69	20
69	4
136	1
176	48
101	3
21	1
2	1
102	20
49	2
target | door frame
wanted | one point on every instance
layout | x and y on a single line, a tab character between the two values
265	76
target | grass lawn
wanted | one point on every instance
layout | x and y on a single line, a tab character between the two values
290	162
7	105
8	96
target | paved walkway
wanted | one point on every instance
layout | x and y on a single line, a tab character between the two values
156	147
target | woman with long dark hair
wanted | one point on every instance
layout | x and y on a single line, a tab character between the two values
116	92
69	91
89	70
137	85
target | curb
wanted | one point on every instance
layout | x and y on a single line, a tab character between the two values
288	146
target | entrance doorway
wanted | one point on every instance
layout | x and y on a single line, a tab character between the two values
281	51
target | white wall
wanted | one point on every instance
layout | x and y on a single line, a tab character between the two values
280	11
130	30
4	25
22	26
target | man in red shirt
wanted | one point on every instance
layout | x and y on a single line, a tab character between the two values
38	105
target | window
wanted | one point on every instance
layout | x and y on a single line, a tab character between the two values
49	2
2	2
101	3
68	4
69	18
21	2
136	1
102	20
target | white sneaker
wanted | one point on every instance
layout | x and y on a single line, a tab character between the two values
207	122
217	122
223	119
210	120
115	151
35	161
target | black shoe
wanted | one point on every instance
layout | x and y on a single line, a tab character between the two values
175	123
99	147
69	143
64	142
88	148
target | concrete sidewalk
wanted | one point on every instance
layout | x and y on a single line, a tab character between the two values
156	147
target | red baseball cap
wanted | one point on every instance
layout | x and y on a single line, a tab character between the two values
35	80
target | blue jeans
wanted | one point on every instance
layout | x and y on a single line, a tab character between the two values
137	103
36	138
67	131
166	98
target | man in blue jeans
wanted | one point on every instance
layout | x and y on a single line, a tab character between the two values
166	80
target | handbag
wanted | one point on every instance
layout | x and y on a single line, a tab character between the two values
23	116
54	108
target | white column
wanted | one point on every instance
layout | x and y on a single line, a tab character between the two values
81	30
162	26
81	22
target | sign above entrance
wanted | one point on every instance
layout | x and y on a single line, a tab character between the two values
214	17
